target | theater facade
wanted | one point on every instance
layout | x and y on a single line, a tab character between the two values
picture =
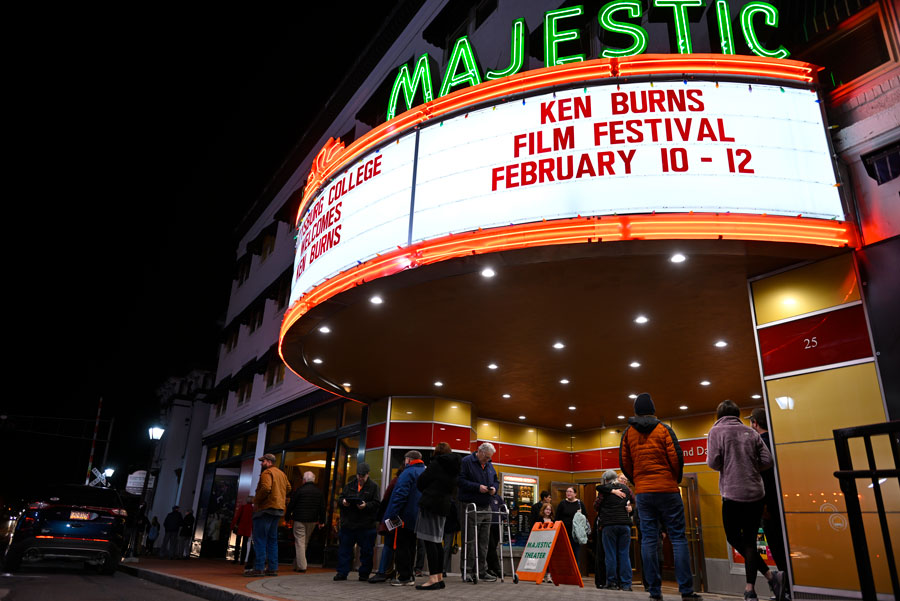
514	217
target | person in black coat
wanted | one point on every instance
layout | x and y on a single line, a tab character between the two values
306	511
616	534
437	484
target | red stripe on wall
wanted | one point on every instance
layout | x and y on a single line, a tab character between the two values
456	436
375	436
554	460
406	434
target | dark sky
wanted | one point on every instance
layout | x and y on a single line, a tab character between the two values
142	138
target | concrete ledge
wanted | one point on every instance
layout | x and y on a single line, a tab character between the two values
191	587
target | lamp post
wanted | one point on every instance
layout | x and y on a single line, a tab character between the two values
155	434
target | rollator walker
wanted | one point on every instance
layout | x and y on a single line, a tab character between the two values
503	519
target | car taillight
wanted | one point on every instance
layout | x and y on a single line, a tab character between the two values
119	512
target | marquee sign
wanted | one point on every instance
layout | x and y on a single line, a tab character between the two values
630	148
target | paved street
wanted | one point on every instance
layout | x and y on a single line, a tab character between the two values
75	584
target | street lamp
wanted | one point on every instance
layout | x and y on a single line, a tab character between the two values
155	434
108	472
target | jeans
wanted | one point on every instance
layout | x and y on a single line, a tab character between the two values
303	531
265	541
616	541
387	554
365	538
666	508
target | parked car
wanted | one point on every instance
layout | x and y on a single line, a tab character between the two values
71	523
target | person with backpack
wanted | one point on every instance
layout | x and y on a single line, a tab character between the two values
568	511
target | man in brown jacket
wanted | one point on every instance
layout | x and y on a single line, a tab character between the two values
652	459
271	493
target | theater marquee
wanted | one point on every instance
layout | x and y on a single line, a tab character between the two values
689	146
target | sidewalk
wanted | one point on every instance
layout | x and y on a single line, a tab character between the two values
222	581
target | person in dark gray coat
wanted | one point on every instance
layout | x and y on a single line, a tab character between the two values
306	510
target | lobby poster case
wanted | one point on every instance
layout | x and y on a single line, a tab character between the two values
519	493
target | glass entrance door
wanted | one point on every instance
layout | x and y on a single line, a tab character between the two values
296	463
693	529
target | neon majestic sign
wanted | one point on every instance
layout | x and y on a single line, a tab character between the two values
463	68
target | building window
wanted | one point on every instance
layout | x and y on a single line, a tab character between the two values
243	270
268	246
284	292
883	165
255	318
220	406
245	389
231	338
274	374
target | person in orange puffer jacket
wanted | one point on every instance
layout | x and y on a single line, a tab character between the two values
651	458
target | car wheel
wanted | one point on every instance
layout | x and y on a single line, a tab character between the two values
109	566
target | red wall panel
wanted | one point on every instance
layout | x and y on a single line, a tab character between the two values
375	436
554	460
410	434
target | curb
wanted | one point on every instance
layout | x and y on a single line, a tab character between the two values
203	590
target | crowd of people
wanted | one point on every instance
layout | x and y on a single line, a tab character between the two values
177	530
424	507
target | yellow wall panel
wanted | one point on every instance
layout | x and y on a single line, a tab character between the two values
591	439
487	430
714	543
822	550
811	288
377	412
823	401
710	511
516	434
452	412
692	427
807	476
375	459
553	439
412	409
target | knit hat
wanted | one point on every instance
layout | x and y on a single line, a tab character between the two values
643	405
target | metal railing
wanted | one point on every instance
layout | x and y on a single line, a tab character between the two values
848	477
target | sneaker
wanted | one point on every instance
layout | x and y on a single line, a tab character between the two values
271	573
398	582
777	585
488	577
363	577
419	573
750	596
339	577
612	586
627	587
376	578
253	573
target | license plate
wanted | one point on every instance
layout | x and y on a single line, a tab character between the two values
80	515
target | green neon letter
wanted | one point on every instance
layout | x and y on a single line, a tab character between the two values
638	34
682	29
771	14
462	52
422	76
726	36
516	52
552	37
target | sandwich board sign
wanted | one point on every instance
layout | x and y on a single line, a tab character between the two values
548	550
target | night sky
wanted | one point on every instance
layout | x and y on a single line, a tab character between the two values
141	139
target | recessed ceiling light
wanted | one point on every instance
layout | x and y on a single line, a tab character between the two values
571	407
317	360
683	407
521	417
492	366
506	395
641	319
346	384
634	364
564	381
678	258
632	396
704	383
559	345
487	272
376	300
409	413
756	396
325	329
721	344
568	425
438	383
620	417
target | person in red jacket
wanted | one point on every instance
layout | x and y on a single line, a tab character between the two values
242	526
652	459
